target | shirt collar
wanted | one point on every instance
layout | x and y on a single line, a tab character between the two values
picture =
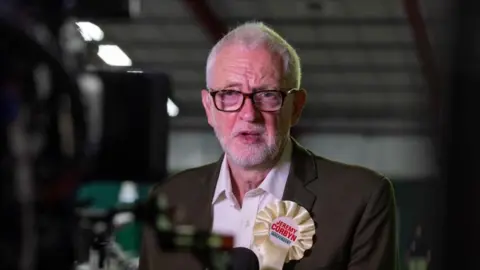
274	183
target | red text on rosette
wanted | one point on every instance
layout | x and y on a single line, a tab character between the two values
284	230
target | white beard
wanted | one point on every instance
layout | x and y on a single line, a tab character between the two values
250	155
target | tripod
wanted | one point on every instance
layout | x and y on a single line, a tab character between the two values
104	252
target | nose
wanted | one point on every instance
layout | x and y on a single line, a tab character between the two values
248	112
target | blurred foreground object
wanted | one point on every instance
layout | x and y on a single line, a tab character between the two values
43	133
59	128
461	140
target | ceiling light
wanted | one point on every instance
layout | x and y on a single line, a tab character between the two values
114	56
90	31
172	108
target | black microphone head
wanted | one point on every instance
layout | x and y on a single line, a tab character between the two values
243	259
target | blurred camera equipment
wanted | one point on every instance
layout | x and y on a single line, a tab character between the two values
49	144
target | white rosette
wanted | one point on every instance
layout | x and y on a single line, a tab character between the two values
283	231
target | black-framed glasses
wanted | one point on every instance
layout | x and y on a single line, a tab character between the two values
263	100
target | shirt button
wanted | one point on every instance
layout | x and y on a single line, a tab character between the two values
247	223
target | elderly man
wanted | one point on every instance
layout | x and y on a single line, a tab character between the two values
252	99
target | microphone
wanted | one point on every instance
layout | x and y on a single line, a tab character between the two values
243	259
283	231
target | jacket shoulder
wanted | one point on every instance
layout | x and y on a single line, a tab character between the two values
358	179
185	180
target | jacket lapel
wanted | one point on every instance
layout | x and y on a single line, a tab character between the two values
203	202
302	172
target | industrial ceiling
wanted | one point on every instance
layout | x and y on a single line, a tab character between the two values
361	58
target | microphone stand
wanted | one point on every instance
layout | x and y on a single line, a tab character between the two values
98	254
103	249
210	249
106	252
100	224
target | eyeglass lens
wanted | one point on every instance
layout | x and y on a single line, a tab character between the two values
229	100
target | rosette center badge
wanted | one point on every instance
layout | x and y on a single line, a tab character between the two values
283	231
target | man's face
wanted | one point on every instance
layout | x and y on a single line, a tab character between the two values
250	137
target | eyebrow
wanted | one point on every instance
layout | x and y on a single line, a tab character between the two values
258	88
264	87
232	84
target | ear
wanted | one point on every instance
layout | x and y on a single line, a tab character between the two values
207	105
299	101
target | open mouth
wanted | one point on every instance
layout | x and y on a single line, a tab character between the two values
249	137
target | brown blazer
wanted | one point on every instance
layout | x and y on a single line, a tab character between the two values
353	209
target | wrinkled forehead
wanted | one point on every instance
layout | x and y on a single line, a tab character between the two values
239	66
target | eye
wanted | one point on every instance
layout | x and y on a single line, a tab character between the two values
228	92
269	94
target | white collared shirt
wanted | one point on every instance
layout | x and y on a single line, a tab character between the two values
231	219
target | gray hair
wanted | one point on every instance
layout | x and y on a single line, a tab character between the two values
255	34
